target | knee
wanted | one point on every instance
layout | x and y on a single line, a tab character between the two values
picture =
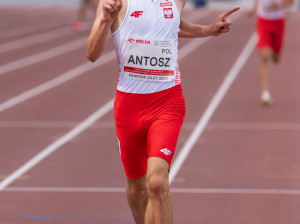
264	58
136	190
157	187
265	55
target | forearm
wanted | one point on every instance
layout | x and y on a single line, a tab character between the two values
287	3
189	30
281	5
200	32
97	40
255	4
253	9
221	25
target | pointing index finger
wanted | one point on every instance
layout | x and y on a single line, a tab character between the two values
229	12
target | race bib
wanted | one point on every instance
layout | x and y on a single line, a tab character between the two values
150	59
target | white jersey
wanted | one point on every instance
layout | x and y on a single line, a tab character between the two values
265	11
146	45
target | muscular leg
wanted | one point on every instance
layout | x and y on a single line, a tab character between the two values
265	54
159	209
137	197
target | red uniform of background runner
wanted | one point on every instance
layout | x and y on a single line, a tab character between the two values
270	33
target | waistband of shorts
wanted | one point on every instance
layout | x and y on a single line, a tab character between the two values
270	20
163	92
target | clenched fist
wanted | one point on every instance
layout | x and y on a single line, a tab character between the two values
111	8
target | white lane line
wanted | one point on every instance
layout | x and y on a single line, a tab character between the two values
77	71
33	27
67	189
57	144
255	126
17	19
247	126
191	46
45	55
186	125
37	124
235	191
51	124
35	39
201	124
173	190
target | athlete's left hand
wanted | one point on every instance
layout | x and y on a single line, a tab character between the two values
222	23
275	5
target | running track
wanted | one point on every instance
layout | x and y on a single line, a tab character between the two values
236	161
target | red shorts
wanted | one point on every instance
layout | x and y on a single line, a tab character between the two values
270	33
147	126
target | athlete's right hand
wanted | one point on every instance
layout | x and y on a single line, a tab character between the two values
250	12
222	23
111	8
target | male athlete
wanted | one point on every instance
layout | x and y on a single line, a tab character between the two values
270	30
149	105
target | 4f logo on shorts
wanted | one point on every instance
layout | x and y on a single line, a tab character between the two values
137	14
168	13
166	151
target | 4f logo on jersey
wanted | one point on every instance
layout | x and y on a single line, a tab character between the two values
168	13
166	151
137	14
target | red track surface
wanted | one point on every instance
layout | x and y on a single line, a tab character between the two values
244	167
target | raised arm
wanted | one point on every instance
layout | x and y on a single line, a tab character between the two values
221	25
286	3
107	11
252	10
189	30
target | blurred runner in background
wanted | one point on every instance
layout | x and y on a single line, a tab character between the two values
85	5
270	30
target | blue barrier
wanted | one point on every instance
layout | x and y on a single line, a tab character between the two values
200	3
